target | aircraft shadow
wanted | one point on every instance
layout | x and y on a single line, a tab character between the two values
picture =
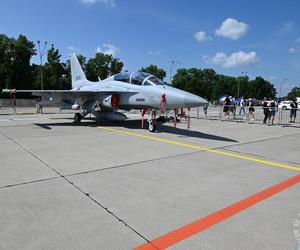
136	124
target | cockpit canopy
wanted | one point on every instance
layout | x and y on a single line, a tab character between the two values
138	78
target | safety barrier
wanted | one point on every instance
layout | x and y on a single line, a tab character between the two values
281	117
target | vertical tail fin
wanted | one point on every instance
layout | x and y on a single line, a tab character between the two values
77	74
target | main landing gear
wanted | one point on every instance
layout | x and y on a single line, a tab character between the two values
77	118
152	121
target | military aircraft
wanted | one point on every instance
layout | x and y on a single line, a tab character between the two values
124	91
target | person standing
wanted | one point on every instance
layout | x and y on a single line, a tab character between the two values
39	106
226	107
272	111
293	111
233	106
251	109
205	107
265	110
242	106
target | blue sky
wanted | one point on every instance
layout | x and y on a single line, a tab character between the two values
261	38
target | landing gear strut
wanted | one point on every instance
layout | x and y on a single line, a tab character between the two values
152	120
77	118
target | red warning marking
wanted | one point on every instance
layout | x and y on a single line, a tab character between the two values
204	223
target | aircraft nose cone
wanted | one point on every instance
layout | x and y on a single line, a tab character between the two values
191	100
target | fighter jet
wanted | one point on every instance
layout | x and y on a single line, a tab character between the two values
123	91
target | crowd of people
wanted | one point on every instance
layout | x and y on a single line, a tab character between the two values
230	105
269	106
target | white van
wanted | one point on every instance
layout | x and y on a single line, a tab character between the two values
285	105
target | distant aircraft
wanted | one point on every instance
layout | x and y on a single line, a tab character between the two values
125	91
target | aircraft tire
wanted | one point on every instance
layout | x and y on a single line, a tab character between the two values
152	127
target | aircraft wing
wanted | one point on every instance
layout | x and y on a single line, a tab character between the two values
72	94
68	96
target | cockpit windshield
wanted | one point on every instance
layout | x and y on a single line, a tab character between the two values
122	77
155	80
138	78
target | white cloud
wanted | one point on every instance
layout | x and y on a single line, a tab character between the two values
91	2
233	29
286	28
273	77
236	59
293	50
202	37
156	53
107	48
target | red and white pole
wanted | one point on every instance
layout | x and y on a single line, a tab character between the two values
175	118
189	119
162	102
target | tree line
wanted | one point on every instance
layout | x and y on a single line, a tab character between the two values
295	92
207	83
17	72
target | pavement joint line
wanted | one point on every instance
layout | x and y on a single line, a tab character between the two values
262	140
255	155
94	200
15	126
131	164
47	136
202	224
28	182
108	211
169	141
128	164
162	158
97	170
79	189
32	154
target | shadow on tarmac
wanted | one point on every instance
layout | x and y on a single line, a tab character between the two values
136	124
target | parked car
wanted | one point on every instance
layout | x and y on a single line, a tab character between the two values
285	105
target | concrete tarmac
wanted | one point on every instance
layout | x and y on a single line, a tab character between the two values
117	186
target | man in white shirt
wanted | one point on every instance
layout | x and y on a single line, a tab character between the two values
242	106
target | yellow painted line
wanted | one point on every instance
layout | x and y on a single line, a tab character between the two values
247	158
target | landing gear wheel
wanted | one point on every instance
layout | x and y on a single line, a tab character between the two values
77	118
152	126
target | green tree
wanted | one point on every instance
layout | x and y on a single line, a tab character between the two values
15	68
242	86
154	70
54	71
180	79
197	81
206	83
260	88
102	65
225	85
295	92
5	60
21	75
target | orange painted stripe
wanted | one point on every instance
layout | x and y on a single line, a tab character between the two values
204	223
